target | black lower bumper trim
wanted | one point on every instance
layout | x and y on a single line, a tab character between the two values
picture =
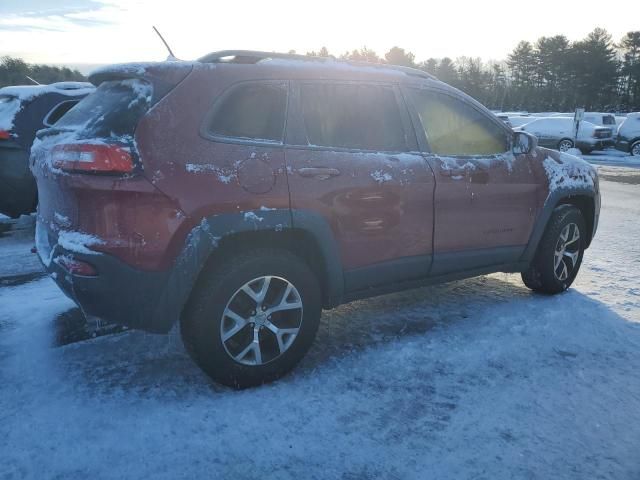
118	294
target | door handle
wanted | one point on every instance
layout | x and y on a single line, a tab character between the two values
321	173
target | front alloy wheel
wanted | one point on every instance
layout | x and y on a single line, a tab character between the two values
567	252
635	149
559	255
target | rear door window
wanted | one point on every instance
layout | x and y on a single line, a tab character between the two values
253	111
113	110
454	128
362	117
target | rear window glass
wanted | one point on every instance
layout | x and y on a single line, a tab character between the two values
114	109
252	111
363	117
609	120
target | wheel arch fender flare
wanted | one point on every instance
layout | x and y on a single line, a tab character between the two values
206	236
554	199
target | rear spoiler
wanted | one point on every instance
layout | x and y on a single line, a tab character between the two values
164	76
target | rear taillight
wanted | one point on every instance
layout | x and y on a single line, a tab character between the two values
4	135
92	158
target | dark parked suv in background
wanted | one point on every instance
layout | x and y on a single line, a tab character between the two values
23	111
243	193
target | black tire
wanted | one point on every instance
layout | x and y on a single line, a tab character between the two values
635	148
565	141
541	275
202	318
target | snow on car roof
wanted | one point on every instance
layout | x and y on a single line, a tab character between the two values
29	92
16	96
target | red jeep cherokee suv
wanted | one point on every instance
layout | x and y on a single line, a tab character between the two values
243	193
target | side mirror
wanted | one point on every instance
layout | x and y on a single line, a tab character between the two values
523	143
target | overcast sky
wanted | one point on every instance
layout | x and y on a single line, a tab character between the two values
109	31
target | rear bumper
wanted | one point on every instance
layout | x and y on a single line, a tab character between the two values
117	294
596	144
18	194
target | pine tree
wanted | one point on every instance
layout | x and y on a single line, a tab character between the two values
630	71
398	56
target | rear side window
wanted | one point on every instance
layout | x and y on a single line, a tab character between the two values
58	111
363	117
608	120
251	111
114	109
455	128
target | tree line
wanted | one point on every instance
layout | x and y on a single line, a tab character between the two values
15	71
551	74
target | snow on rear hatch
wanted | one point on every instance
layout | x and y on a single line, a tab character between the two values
107	118
112	112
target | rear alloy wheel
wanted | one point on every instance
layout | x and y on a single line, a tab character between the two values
635	149
565	144
252	317
261	321
560	252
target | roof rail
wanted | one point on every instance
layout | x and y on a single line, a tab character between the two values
255	56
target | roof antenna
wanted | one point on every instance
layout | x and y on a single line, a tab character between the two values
171	55
35	82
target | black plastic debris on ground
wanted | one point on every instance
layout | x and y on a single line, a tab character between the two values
72	326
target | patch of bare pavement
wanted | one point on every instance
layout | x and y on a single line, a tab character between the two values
628	175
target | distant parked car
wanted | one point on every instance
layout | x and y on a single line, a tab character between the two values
518	121
597	118
620	120
629	135
557	132
23	111
505	119
242	199
601	119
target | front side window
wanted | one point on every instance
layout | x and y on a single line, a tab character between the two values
252	111
362	117
454	128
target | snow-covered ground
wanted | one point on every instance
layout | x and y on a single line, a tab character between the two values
478	379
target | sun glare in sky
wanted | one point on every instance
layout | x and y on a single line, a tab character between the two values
107	31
